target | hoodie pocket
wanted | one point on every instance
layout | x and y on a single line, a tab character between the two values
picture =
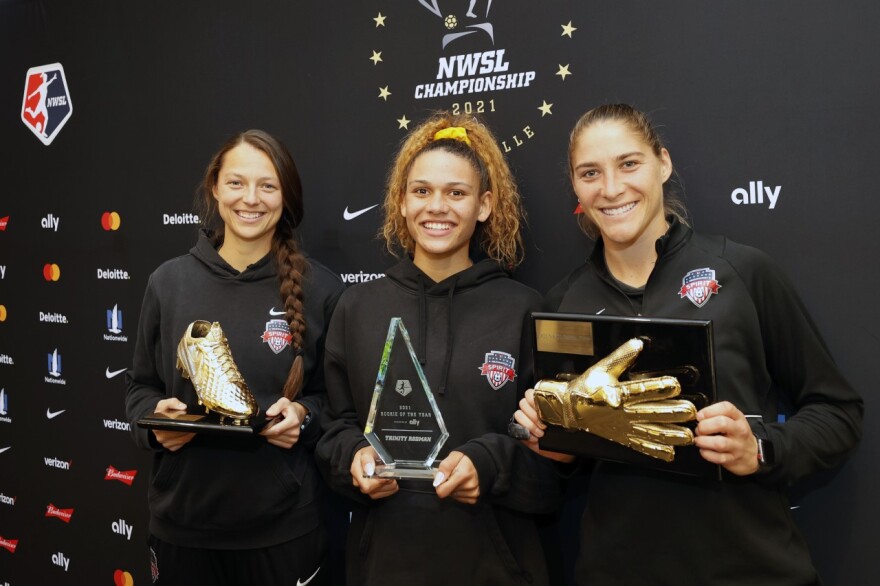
166	469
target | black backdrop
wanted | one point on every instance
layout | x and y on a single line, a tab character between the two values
783	92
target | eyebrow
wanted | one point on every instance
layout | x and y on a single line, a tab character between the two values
449	184
617	158
240	176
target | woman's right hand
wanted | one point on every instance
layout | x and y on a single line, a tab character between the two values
171	440
527	416
362	467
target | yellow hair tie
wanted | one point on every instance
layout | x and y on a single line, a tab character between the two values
454	133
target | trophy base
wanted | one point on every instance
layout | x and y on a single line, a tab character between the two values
210	423
405	471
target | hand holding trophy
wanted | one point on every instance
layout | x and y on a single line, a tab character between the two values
639	414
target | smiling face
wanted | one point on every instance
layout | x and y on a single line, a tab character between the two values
249	200
618	180
442	204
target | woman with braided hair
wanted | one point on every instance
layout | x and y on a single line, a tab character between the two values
233	510
453	210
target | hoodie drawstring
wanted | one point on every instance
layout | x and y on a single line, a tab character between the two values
448	359
423	322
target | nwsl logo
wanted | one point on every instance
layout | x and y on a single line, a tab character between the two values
699	285
277	335
498	368
46	104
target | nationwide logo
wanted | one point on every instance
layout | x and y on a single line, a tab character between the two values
3	313
4	221
277	335
360	277
46	106
117	425
113	274
60	560
123	476
8	544
4	407
53	318
122	578
62	514
110	221
51	272
56	463
6	359
54	365
699	285
480	57
7	500
121	527
498	368
114	325
180	219
50	222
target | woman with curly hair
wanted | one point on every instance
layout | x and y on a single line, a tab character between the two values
450	197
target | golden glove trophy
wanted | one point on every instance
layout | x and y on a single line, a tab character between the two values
624	389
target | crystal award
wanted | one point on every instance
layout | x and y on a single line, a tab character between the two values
404	425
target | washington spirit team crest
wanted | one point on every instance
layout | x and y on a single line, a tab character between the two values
277	335
699	285
46	105
498	368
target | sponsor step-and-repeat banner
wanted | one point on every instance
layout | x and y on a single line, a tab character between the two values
767	110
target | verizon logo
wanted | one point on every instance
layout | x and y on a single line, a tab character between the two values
7	500
116	424
56	463
8	544
124	476
63	514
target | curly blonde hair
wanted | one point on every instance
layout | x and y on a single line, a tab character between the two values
501	237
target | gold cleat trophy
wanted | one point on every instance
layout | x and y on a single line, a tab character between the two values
204	357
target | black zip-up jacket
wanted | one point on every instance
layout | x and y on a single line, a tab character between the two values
413	537
644	527
229	493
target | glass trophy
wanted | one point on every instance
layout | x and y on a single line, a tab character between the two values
404	425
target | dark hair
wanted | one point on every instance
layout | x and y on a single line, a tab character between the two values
500	235
285	248
639	123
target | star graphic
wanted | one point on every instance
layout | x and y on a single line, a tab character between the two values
567	29
545	108
384	93
377	56
563	71
403	122
380	20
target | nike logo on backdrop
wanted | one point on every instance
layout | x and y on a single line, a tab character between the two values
7	447
273	312
352	215
299	583
51	415
114	373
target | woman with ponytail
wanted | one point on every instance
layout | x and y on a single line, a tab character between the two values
223	509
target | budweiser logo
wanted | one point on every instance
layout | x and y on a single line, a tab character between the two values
126	476
63	514
9	544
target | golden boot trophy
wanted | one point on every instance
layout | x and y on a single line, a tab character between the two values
639	414
203	356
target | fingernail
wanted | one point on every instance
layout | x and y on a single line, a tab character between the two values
370	468
438	480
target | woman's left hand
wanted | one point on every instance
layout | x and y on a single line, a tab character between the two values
285	432
725	437
457	477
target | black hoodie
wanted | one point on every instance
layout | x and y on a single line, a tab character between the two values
413	536
229	493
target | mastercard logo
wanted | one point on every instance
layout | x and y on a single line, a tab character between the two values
121	578
3	313
51	272
110	221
